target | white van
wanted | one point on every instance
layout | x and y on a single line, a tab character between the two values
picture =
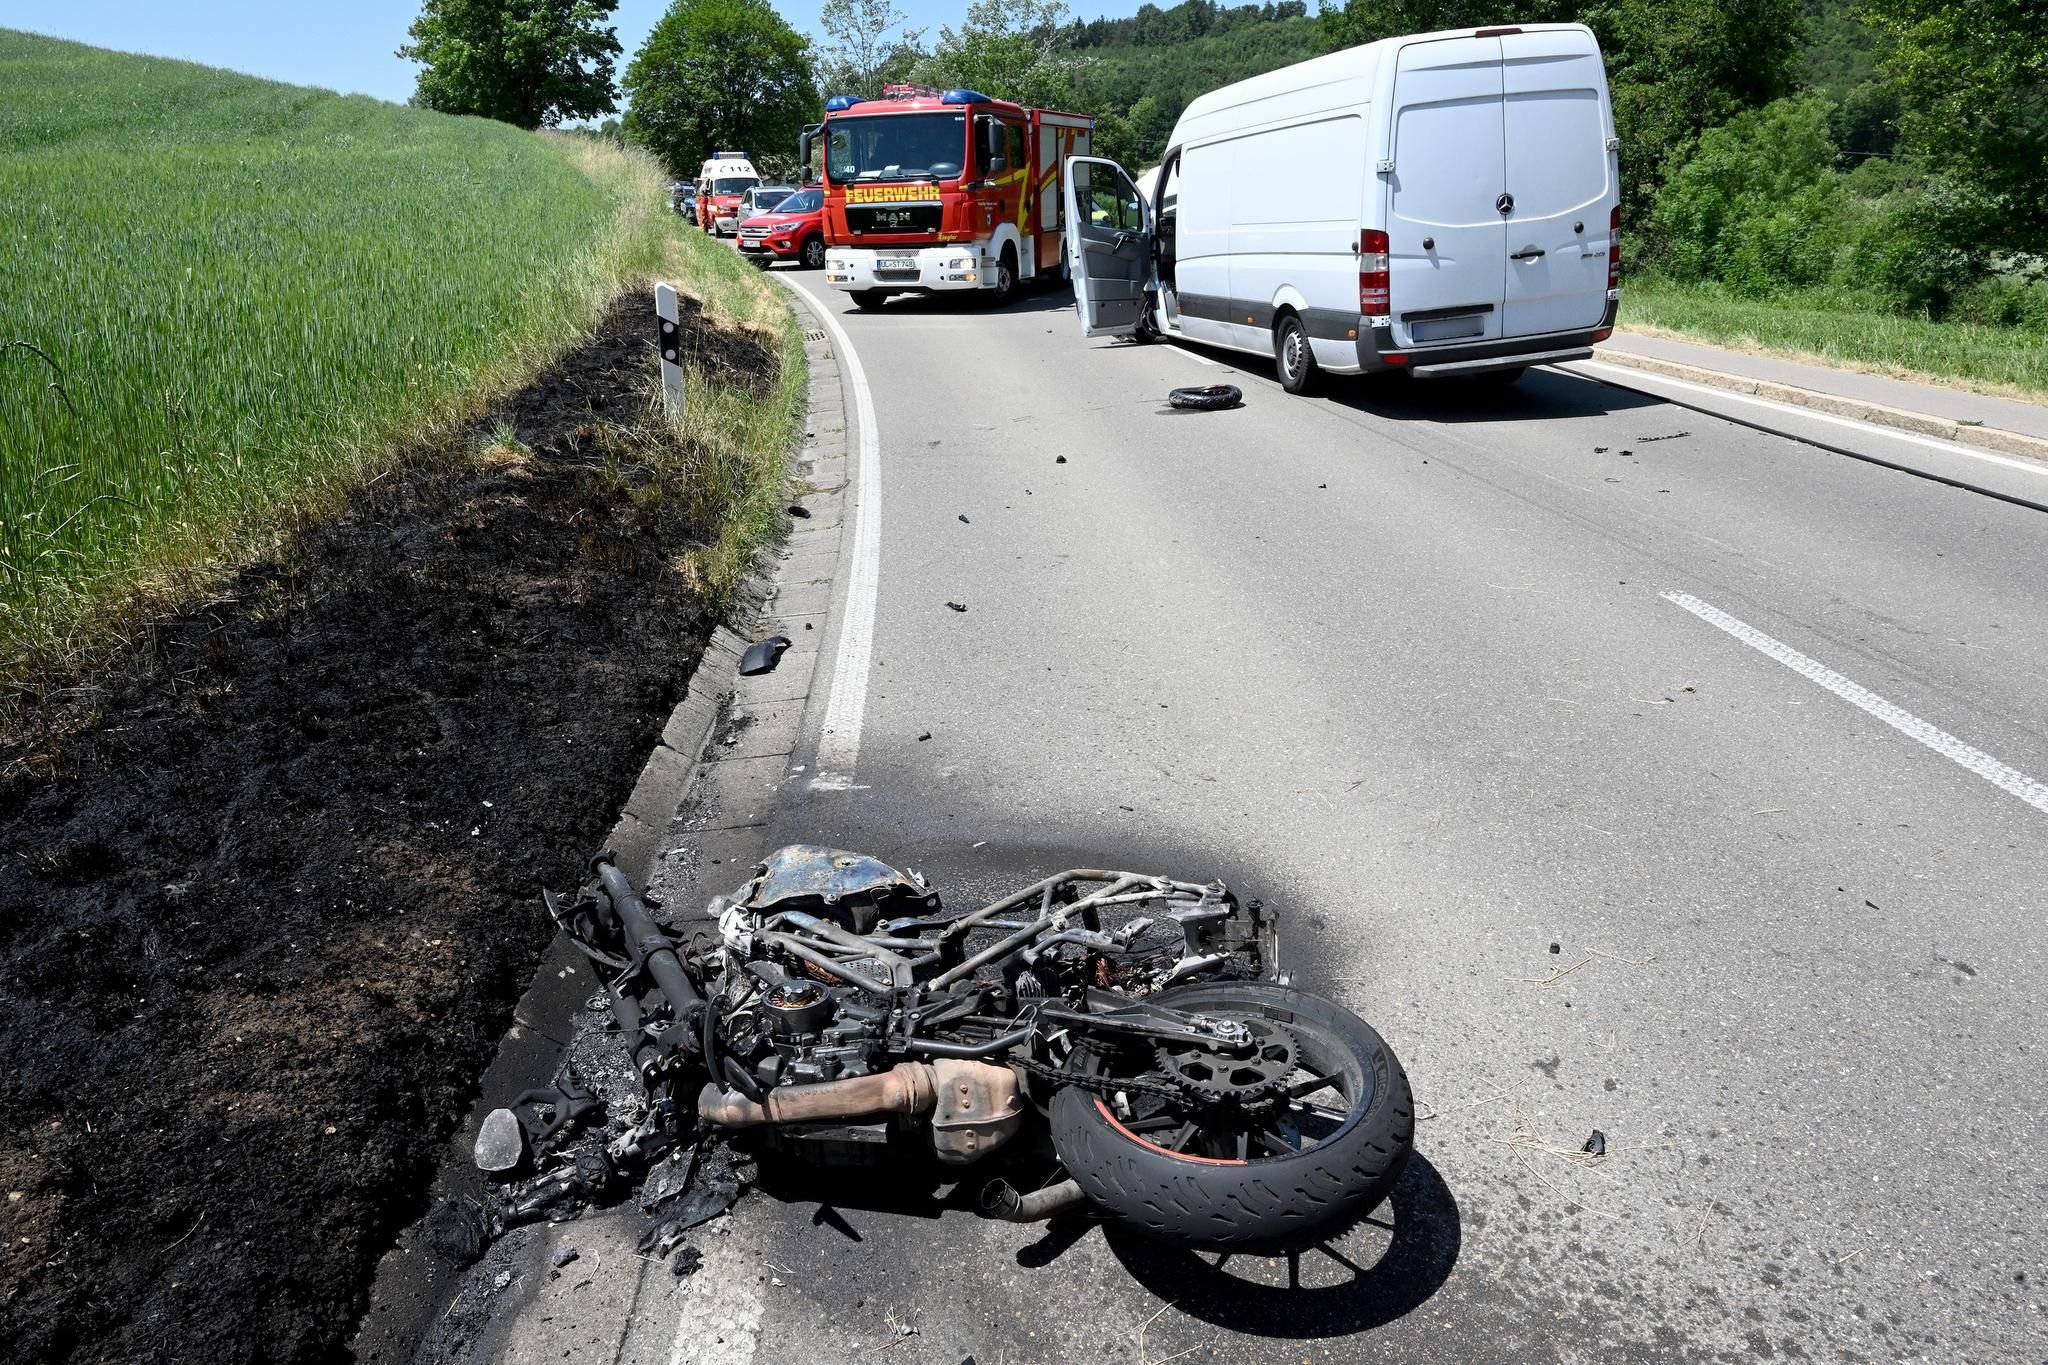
1447	203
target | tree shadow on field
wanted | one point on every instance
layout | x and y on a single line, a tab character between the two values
1340	1290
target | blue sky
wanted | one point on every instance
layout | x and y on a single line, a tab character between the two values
348	46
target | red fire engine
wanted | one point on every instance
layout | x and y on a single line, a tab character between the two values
930	190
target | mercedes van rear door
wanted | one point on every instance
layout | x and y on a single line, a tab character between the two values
1446	230
1560	178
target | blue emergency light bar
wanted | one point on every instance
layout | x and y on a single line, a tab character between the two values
839	102
964	97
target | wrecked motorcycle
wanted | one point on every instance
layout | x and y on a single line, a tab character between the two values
833	1006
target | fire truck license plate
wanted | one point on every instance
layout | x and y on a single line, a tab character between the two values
894	263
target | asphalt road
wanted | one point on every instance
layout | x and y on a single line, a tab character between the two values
1405	661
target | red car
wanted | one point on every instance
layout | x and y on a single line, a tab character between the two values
795	231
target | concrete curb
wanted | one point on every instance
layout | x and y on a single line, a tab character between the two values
720	825
1878	414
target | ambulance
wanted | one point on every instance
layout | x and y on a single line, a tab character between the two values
720	183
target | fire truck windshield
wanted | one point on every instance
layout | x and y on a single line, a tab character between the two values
896	147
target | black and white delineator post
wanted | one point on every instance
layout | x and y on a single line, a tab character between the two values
668	322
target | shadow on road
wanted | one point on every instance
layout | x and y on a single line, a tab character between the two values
1339	1293
1538	395
1056	298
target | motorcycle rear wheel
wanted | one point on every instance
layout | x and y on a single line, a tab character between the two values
1214	1174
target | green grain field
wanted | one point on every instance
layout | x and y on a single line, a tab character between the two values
233	298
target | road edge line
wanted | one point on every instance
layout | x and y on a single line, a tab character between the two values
1999	439
860	557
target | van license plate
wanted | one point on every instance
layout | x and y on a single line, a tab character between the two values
888	263
1447	329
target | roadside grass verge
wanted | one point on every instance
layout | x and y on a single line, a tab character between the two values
2009	362
243	299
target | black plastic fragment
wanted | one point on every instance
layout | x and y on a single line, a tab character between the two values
957	606
1555	949
688	1261
797	509
544	1113
762	655
1596	1144
964	521
459	1230
1057	459
667	1180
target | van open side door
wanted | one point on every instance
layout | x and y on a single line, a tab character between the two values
1109	246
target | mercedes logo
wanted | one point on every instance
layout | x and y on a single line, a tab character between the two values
1504	205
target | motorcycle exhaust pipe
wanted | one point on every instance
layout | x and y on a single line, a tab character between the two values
906	1088
1001	1199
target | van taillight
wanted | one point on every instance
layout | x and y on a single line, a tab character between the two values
1373	293
1614	248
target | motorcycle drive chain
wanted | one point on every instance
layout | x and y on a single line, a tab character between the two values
1270	1084
1168	1087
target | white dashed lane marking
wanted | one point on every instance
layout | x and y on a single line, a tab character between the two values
2004	778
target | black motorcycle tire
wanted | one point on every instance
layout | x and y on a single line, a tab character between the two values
1206	397
1269	1205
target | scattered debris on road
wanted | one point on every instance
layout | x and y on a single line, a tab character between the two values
563	1257
797	509
1057	459
957	606
1596	1145
1671	436
964	521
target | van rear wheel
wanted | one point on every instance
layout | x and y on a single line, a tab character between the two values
1293	355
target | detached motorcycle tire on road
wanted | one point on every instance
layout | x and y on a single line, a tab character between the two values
1212	1174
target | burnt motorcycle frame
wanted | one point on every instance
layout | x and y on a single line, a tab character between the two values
911	1018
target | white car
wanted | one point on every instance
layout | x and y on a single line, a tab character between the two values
1447	204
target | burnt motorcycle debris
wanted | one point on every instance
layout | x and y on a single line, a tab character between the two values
832	1008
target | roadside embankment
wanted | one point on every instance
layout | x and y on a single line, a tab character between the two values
303	715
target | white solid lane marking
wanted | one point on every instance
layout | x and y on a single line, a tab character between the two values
1905	722
846	705
1625	374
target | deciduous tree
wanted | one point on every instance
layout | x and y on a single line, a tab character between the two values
720	75
1972	77
868	41
1010	49
532	63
